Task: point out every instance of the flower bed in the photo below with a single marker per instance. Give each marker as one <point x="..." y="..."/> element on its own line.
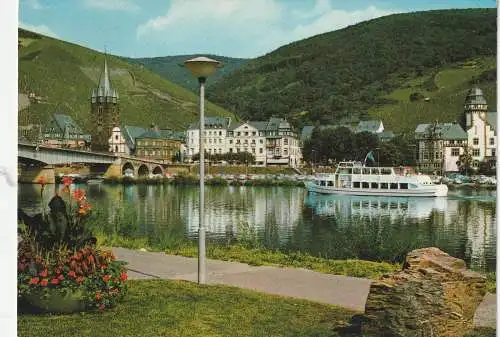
<point x="59" y="267"/>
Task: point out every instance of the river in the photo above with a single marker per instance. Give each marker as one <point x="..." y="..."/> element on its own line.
<point x="374" y="228"/>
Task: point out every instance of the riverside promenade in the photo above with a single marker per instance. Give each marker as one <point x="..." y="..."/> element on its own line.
<point x="344" y="291"/>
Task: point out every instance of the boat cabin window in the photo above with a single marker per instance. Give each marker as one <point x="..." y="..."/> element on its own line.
<point x="355" y="184"/>
<point x="365" y="185"/>
<point x="330" y="183"/>
<point x="349" y="170"/>
<point x="384" y="186"/>
<point x="375" y="170"/>
<point x="323" y="183"/>
<point x="394" y="186"/>
<point x="356" y="170"/>
<point x="412" y="186"/>
<point x="366" y="170"/>
<point x="385" y="170"/>
<point x="403" y="186"/>
<point x="374" y="185"/>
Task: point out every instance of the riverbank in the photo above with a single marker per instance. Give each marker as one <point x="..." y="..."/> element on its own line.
<point x="177" y="308"/>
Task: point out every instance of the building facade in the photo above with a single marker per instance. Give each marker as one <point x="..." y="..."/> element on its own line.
<point x="440" y="146"/>
<point x="480" y="126"/>
<point x="62" y="131"/>
<point x="272" y="142"/>
<point x="104" y="111"/>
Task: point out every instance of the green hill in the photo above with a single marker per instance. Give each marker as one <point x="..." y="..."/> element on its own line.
<point x="371" y="69"/>
<point x="169" y="67"/>
<point x="61" y="76"/>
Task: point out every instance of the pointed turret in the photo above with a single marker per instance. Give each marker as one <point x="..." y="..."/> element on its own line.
<point x="475" y="103"/>
<point x="104" y="92"/>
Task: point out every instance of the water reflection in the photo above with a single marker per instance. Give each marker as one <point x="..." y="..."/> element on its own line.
<point x="377" y="228"/>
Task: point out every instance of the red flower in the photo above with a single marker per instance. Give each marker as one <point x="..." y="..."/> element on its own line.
<point x="43" y="273"/>
<point x="80" y="279"/>
<point x="123" y="276"/>
<point x="106" y="278"/>
<point x="104" y="266"/>
<point x="98" y="296"/>
<point x="42" y="180"/>
<point x="34" y="280"/>
<point x="67" y="181"/>
<point x="21" y="266"/>
<point x="54" y="281"/>
<point x="78" y="194"/>
<point x="44" y="282"/>
<point x="60" y="277"/>
<point x="101" y="307"/>
<point x="72" y="273"/>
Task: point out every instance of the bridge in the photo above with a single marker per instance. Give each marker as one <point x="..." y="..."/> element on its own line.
<point x="41" y="160"/>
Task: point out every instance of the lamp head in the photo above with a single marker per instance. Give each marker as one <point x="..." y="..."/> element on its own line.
<point x="202" y="67"/>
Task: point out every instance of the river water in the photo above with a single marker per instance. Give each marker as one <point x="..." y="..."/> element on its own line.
<point x="374" y="228"/>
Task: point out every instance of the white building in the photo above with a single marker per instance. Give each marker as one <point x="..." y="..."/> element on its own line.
<point x="439" y="147"/>
<point x="480" y="126"/>
<point x="272" y="142"/>
<point x="215" y="136"/>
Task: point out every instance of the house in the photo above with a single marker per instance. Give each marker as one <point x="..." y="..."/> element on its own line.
<point x="152" y="143"/>
<point x="272" y="142"/>
<point x="63" y="131"/>
<point x="439" y="147"/>
<point x="480" y="125"/>
<point x="373" y="126"/>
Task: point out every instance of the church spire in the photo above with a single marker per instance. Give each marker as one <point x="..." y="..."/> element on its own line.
<point x="104" y="83"/>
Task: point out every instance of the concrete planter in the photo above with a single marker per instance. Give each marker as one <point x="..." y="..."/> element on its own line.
<point x="56" y="301"/>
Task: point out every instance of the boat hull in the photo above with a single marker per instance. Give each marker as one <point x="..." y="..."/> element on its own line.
<point x="424" y="191"/>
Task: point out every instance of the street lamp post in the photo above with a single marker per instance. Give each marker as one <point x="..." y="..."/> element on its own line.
<point x="201" y="68"/>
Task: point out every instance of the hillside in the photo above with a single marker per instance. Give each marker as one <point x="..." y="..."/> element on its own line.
<point x="370" y="69"/>
<point x="169" y="67"/>
<point x="61" y="75"/>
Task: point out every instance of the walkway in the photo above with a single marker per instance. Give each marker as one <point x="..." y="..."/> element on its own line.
<point x="348" y="292"/>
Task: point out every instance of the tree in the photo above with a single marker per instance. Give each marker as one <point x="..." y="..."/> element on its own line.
<point x="464" y="162"/>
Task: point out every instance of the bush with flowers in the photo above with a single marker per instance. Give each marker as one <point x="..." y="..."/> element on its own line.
<point x="59" y="266"/>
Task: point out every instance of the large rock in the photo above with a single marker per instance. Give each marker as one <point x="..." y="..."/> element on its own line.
<point x="434" y="295"/>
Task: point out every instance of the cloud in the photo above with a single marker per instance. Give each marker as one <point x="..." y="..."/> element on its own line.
<point x="33" y="4"/>
<point x="113" y="5"/>
<point x="242" y="27"/>
<point x="41" y="29"/>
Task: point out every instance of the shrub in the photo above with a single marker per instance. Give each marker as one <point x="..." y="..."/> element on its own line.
<point x="57" y="257"/>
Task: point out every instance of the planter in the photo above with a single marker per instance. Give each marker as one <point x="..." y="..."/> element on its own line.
<point x="56" y="301"/>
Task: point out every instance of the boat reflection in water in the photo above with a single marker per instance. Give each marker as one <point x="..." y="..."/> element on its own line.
<point x="375" y="206"/>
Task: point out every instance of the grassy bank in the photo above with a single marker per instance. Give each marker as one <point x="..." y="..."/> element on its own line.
<point x="173" y="308"/>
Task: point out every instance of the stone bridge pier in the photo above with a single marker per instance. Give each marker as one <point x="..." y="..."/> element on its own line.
<point x="139" y="168"/>
<point x="33" y="174"/>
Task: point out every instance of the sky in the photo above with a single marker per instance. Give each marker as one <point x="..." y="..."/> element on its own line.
<point x="235" y="28"/>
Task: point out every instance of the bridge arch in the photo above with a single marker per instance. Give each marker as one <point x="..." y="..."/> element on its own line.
<point x="143" y="170"/>
<point x="127" y="167"/>
<point x="158" y="170"/>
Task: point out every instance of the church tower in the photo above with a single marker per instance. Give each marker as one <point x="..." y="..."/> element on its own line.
<point x="475" y="106"/>
<point x="105" y="111"/>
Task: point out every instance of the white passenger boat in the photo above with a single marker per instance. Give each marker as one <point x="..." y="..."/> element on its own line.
<point x="353" y="178"/>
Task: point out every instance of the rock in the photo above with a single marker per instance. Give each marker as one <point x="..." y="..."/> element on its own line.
<point x="434" y="295"/>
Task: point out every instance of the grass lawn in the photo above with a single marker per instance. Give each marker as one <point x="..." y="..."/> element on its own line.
<point x="177" y="308"/>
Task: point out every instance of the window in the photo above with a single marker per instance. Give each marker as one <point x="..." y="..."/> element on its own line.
<point x="254" y="133"/>
<point x="285" y="141"/>
<point x="262" y="141"/>
<point x="365" y="184"/>
<point x="246" y="133"/>
<point x="260" y="150"/>
<point x="238" y="133"/>
<point x="492" y="141"/>
<point x="374" y="185"/>
<point x="394" y="186"/>
<point x="403" y="186"/>
<point x="475" y="163"/>
<point x="253" y="150"/>
<point x="475" y="141"/>
<point x="285" y="152"/>
<point x="476" y="152"/>
<point x="230" y="150"/>
<point x="455" y="152"/>
<point x="355" y="184"/>
<point x="116" y="148"/>
<point x="330" y="183"/>
<point x="230" y="141"/>
<point x="220" y="133"/>
<point x="116" y="137"/>
<point x="493" y="152"/>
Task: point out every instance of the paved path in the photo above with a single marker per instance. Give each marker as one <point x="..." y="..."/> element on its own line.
<point x="348" y="292"/>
